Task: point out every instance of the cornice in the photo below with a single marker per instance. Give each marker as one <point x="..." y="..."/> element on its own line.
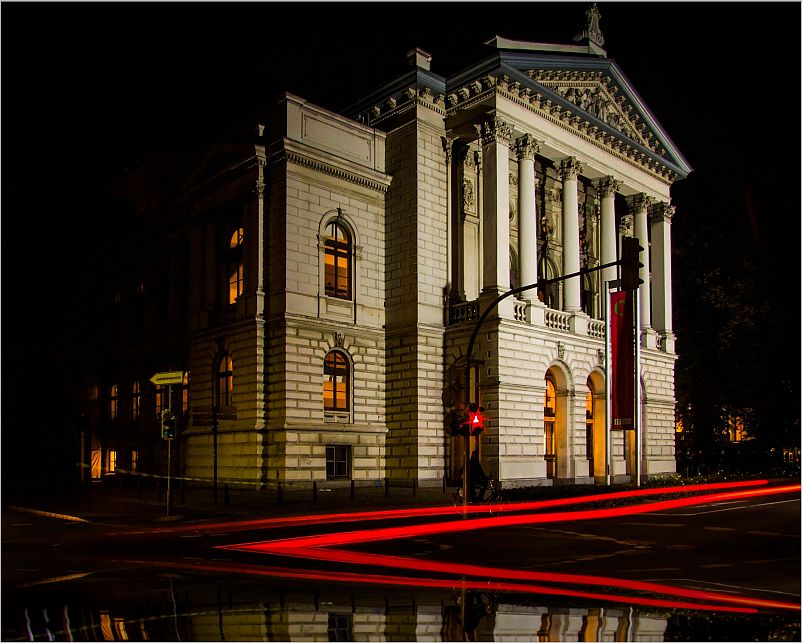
<point x="304" y="156"/>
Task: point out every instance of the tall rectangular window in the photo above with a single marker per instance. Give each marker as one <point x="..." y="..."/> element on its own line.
<point x="225" y="382"/>
<point x="136" y="400"/>
<point x="338" y="461"/>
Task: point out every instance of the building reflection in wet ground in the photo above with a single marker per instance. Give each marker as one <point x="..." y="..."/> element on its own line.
<point x="183" y="609"/>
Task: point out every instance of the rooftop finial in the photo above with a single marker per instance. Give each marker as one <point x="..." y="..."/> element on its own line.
<point x="592" y="30"/>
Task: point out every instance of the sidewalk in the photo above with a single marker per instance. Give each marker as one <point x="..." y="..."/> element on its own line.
<point x="110" y="502"/>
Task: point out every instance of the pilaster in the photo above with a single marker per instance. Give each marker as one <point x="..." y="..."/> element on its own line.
<point x="640" y="204"/>
<point x="660" y="215"/>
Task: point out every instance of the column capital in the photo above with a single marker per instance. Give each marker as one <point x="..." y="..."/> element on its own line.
<point x="570" y="169"/>
<point x="608" y="186"/>
<point x="640" y="202"/>
<point x="661" y="211"/>
<point x="448" y="147"/>
<point x="494" y="131"/>
<point x="526" y="147"/>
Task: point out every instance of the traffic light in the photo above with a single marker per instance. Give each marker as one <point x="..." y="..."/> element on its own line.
<point x="476" y="421"/>
<point x="630" y="263"/>
<point x="168" y="424"/>
<point x="458" y="423"/>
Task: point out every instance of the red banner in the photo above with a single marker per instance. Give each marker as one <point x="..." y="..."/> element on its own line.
<point x="622" y="358"/>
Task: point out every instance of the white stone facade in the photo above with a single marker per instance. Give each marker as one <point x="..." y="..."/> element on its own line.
<point x="529" y="165"/>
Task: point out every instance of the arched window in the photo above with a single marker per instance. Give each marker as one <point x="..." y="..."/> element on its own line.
<point x="587" y="296"/>
<point x="548" y="294"/>
<point x="225" y="382"/>
<point x="136" y="400"/>
<point x="114" y="402"/>
<point x="338" y="261"/>
<point x="514" y="270"/>
<point x="336" y="384"/>
<point x="235" y="266"/>
<point x="549" y="418"/>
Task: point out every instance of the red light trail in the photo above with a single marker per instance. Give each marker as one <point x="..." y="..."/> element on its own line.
<point x="324" y="547"/>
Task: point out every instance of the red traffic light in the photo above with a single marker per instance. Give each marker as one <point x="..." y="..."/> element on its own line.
<point x="476" y="421"/>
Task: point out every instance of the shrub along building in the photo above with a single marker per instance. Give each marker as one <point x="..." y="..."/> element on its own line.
<point x="319" y="283"/>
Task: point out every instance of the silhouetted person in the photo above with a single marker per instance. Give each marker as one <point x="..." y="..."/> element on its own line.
<point x="478" y="478"/>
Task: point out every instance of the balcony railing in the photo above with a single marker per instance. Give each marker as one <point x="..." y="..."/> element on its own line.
<point x="558" y="320"/>
<point x="596" y="328"/>
<point x="463" y="312"/>
<point x="519" y="310"/>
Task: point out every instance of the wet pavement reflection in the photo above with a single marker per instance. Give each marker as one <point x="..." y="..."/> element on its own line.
<point x="176" y="607"/>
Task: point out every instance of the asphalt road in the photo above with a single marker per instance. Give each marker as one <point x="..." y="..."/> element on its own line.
<point x="747" y="548"/>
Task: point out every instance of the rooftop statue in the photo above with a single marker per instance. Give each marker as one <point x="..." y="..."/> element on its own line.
<point x="592" y="30"/>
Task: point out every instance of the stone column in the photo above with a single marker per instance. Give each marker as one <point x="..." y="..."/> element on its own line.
<point x="661" y="215"/>
<point x="569" y="171"/>
<point x="495" y="139"/>
<point x="526" y="147"/>
<point x="606" y="189"/>
<point x="640" y="208"/>
<point x="259" y="246"/>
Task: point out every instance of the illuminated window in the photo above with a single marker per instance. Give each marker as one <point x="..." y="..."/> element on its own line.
<point x="225" y="382"/>
<point x="336" y="383"/>
<point x="136" y="400"/>
<point x="111" y="461"/>
<point x="337" y="260"/>
<point x="114" y="402"/>
<point x="341" y="627"/>
<point x="235" y="266"/>
<point x="549" y="415"/>
<point x="134" y="460"/>
<point x="338" y="461"/>
<point x="161" y="399"/>
<point x="185" y="394"/>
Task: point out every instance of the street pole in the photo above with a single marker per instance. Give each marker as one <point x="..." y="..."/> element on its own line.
<point x="608" y="394"/>
<point x="169" y="455"/>
<point x="637" y="410"/>
<point x="214" y="452"/>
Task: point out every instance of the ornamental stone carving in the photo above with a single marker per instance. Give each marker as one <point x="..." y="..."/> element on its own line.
<point x="570" y="169"/>
<point x="495" y="131"/>
<point x="626" y="225"/>
<point x="661" y="211"/>
<point x="561" y="350"/>
<point x="592" y="30"/>
<point x="468" y="201"/>
<point x="608" y="186"/>
<point x="259" y="188"/>
<point x="639" y="202"/>
<point x="339" y="339"/>
<point x="554" y="195"/>
<point x="526" y="147"/>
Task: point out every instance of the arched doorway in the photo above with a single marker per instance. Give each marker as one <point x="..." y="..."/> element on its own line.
<point x="595" y="439"/>
<point x="550" y="427"/>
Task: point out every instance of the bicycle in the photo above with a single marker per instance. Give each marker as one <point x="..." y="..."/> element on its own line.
<point x="491" y="497"/>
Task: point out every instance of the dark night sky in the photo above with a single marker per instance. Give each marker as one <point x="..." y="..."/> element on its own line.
<point x="89" y="88"/>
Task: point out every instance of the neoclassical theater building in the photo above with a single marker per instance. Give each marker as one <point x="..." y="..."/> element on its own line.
<point x="318" y="283"/>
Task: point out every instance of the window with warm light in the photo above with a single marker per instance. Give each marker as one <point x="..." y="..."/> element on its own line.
<point x="225" y="382"/>
<point x="161" y="399"/>
<point x="114" y="402"/>
<point x="336" y="384"/>
<point x="134" y="461"/>
<point x="111" y="461"/>
<point x="136" y="400"/>
<point x="337" y="258"/>
<point x="185" y="394"/>
<point x="235" y="266"/>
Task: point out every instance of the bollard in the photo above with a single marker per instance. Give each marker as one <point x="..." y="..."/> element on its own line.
<point x="386" y="487"/>
<point x="226" y="499"/>
<point x="352" y="490"/>
<point x="314" y="491"/>
<point x="414" y="487"/>
<point x="278" y="494"/>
